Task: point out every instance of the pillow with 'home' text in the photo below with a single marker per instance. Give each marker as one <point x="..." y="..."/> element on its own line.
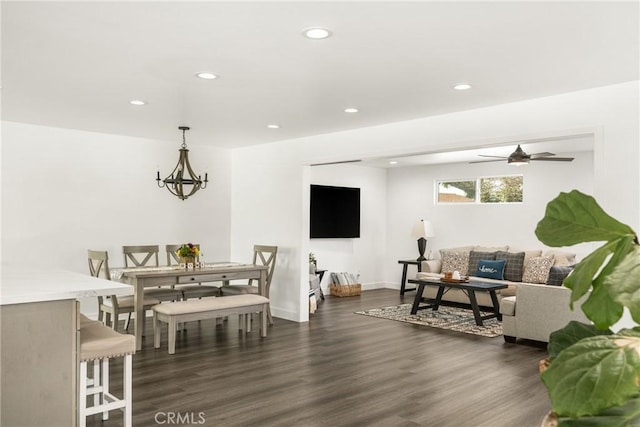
<point x="491" y="269"/>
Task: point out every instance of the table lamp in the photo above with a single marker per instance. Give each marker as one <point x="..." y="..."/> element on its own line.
<point x="421" y="230"/>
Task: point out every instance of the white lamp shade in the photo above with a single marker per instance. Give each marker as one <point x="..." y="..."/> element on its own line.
<point x="423" y="228"/>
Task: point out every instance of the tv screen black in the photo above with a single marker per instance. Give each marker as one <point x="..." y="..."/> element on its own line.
<point x="335" y="212"/>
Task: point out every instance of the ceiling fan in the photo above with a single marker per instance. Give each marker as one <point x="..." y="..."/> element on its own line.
<point x="519" y="157"/>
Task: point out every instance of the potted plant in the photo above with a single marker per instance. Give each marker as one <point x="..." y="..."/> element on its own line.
<point x="188" y="254"/>
<point x="312" y="259"/>
<point x="593" y="378"/>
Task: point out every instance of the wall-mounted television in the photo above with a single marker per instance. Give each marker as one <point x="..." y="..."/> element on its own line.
<point x="335" y="212"/>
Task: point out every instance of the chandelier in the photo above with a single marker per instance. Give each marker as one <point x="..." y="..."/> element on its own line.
<point x="183" y="182"/>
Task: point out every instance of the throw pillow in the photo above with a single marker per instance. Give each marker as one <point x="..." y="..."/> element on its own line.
<point x="475" y="256"/>
<point x="490" y="248"/>
<point x="515" y="265"/>
<point x="557" y="274"/>
<point x="455" y="261"/>
<point x="491" y="269"/>
<point x="537" y="270"/>
<point x="562" y="258"/>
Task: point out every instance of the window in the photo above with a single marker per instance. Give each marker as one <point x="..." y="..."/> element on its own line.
<point x="495" y="189"/>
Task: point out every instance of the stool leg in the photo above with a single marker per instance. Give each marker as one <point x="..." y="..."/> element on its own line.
<point x="127" y="382"/>
<point x="105" y="385"/>
<point x="96" y="381"/>
<point x="82" y="396"/>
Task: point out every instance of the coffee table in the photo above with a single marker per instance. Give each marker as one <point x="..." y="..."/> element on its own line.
<point x="469" y="288"/>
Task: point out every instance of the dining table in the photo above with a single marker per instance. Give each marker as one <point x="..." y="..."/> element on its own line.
<point x="150" y="277"/>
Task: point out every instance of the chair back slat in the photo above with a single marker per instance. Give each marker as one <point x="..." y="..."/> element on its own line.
<point x="99" y="264"/>
<point x="99" y="267"/>
<point x="265" y="255"/>
<point x="140" y="256"/>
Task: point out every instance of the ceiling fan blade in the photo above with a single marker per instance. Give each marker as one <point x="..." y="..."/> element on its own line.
<point x="497" y="157"/>
<point x="545" y="154"/>
<point x="554" y="159"/>
<point x="502" y="159"/>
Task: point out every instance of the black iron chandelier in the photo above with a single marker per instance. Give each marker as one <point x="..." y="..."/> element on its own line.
<point x="183" y="182"/>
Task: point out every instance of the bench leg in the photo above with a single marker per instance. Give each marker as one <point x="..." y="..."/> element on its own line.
<point x="156" y="330"/>
<point x="172" y="335"/>
<point x="248" y="318"/>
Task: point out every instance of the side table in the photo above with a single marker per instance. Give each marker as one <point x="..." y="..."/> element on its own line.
<point x="405" y="264"/>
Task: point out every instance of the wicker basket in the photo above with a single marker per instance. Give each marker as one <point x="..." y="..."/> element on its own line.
<point x="345" y="290"/>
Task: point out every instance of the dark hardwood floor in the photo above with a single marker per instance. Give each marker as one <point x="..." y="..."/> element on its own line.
<point x="340" y="369"/>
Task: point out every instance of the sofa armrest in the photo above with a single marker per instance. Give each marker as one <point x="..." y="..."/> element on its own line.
<point x="542" y="309"/>
<point x="431" y="266"/>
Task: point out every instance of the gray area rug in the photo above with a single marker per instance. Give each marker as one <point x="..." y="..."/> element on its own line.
<point x="452" y="318"/>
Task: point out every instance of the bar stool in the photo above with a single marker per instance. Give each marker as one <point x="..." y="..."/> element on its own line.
<point x="98" y="344"/>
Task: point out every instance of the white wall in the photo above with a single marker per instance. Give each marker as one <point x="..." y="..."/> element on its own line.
<point x="65" y="191"/>
<point x="411" y="197"/>
<point x="365" y="255"/>
<point x="611" y="112"/>
<point x="57" y="184"/>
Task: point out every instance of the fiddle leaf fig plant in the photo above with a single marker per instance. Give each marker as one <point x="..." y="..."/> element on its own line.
<point x="594" y="375"/>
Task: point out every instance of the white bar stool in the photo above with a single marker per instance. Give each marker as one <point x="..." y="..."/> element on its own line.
<point x="98" y="344"/>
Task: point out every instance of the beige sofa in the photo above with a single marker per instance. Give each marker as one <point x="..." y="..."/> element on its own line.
<point x="540" y="309"/>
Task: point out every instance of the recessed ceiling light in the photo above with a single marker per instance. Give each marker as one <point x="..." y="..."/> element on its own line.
<point x="393" y="162"/>
<point x="317" y="33"/>
<point x="137" y="102"/>
<point x="274" y="126"/>
<point x="462" y="86"/>
<point x="351" y="110"/>
<point x="207" y="75"/>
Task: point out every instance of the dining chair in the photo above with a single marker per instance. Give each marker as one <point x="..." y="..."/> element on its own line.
<point x="192" y="290"/>
<point x="262" y="255"/>
<point x="147" y="256"/>
<point x="110" y="307"/>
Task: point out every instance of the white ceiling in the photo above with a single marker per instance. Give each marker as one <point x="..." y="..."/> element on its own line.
<point x="77" y="64"/>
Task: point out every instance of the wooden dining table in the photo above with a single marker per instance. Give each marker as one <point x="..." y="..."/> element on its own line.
<point x="151" y="277"/>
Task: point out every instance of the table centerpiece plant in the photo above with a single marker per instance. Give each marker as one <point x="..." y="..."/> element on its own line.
<point x="188" y="253"/>
<point x="593" y="375"/>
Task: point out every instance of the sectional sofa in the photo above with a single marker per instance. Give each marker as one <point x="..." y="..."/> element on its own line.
<point x="535" y="302"/>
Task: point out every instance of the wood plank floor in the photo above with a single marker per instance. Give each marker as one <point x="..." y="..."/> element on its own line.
<point x="340" y="369"/>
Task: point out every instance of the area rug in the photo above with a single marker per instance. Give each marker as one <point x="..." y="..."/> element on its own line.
<point x="451" y="318"/>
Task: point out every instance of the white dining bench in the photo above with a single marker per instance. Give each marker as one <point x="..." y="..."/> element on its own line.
<point x="177" y="312"/>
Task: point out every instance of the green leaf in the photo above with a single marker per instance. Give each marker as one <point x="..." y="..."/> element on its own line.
<point x="594" y="374"/>
<point x="575" y="217"/>
<point x="624" y="282"/>
<point x="582" y="275"/>
<point x="601" y="307"/>
<point x="571" y="334"/>
<point x="620" y="416"/>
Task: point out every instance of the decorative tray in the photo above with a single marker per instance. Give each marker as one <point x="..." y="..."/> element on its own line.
<point x="464" y="280"/>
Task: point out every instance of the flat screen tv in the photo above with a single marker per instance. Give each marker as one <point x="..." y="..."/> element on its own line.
<point x="335" y="212"/>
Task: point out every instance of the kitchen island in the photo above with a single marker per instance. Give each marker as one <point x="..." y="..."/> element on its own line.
<point x="39" y="343"/>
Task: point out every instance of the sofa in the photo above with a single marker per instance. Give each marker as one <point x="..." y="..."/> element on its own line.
<point x="532" y="306"/>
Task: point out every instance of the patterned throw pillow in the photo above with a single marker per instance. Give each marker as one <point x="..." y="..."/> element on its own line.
<point x="491" y="269"/>
<point x="537" y="270"/>
<point x="557" y="274"/>
<point x="475" y="256"/>
<point x="515" y="265"/>
<point x="455" y="261"/>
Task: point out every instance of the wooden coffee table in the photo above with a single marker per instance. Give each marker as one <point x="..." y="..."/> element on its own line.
<point x="469" y="288"/>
